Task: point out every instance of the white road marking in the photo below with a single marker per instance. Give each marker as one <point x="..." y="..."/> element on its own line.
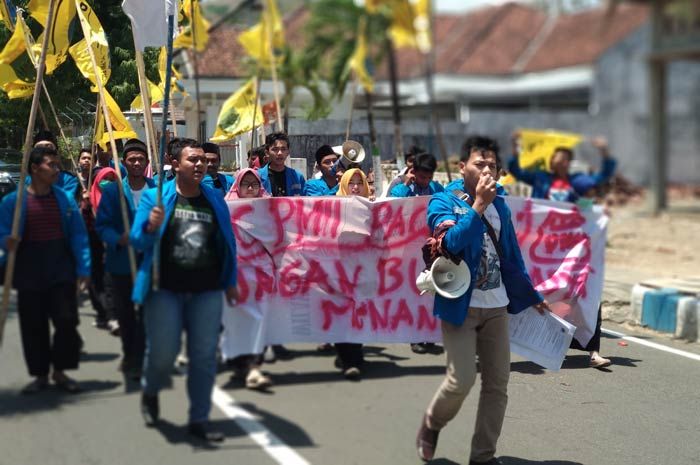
<point x="653" y="345"/>
<point x="266" y="439"/>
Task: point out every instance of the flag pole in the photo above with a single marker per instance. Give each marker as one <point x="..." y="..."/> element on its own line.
<point x="273" y="68"/>
<point x="113" y="145"/>
<point x="146" y="101"/>
<point x="195" y="58"/>
<point x="353" y="94"/>
<point x="93" y="152"/>
<point x="12" y="253"/>
<point x="255" y="110"/>
<point x="161" y="153"/>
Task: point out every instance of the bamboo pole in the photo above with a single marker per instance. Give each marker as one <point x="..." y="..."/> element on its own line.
<point x="161" y="150"/>
<point x="273" y="70"/>
<point x="255" y="110"/>
<point x="353" y="94"/>
<point x="14" y="234"/>
<point x="195" y="58"/>
<point x="146" y="100"/>
<point x="113" y="145"/>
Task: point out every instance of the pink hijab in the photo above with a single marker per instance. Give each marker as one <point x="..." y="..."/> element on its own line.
<point x="96" y="190"/>
<point x="234" y="193"/>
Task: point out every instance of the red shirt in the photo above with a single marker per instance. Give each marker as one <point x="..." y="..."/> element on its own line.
<point x="43" y="219"/>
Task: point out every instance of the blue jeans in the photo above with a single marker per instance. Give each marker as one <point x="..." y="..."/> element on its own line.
<point x="166" y="314"/>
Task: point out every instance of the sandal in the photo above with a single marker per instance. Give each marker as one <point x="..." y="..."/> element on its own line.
<point x="600" y="362"/>
<point x="38" y="385"/>
<point x="67" y="384"/>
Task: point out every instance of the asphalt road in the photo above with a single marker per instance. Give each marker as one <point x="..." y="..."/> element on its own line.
<point x="645" y="409"/>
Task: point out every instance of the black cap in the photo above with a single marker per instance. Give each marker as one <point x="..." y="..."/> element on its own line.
<point x="134" y="145"/>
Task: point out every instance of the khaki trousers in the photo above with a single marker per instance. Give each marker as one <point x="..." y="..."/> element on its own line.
<point x="483" y="333"/>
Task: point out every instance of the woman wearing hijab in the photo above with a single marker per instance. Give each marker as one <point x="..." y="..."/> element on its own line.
<point x="248" y="186"/>
<point x="350" y="358"/>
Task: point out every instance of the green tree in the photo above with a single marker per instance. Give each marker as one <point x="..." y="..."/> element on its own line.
<point x="66" y="85"/>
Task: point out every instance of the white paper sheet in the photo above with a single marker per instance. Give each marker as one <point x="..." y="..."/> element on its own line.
<point x="542" y="339"/>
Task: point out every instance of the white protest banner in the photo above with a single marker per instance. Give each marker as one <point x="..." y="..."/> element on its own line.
<point x="564" y="252"/>
<point x="343" y="269"/>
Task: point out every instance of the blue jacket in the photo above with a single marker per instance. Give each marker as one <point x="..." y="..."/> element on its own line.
<point x="226" y="183"/>
<point x="71" y="223"/>
<point x="465" y="239"/>
<point x="109" y="225"/>
<point x="145" y="242"/>
<point x="66" y="181"/>
<point x="295" y="180"/>
<point x="541" y="181"/>
<point x="402" y="190"/>
<point x="319" y="188"/>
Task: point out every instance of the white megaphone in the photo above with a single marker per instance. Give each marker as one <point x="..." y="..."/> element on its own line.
<point x="445" y="278"/>
<point x="348" y="153"/>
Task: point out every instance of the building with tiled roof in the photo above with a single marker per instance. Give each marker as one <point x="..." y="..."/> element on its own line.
<point x="497" y="68"/>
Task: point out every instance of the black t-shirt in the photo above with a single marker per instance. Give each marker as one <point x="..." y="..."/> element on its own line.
<point x="278" y="181"/>
<point x="192" y="248"/>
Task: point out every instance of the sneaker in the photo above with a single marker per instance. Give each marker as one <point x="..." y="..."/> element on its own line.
<point x="426" y="441"/>
<point x="256" y="380"/>
<point x="113" y="328"/>
<point x="100" y="323"/>
<point x="493" y="461"/>
<point x="352" y="373"/>
<point x="419" y="348"/>
<point x="202" y="431"/>
<point x="150" y="410"/>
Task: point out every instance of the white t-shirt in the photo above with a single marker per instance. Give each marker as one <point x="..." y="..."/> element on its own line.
<point x="489" y="291"/>
<point x="136" y="195"/>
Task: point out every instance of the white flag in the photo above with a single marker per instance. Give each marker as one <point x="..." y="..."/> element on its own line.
<point x="149" y="21"/>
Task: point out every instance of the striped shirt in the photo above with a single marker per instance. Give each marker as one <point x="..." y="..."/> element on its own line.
<point x="43" y="221"/>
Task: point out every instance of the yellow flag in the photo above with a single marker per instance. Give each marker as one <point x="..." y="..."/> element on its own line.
<point x="95" y="36"/>
<point x="201" y="27"/>
<point x="121" y="127"/>
<point x="537" y="146"/>
<point x="154" y="92"/>
<point x="236" y="116"/>
<point x="256" y="40"/>
<point x="13" y="86"/>
<point x="410" y="24"/>
<point x="28" y="40"/>
<point x="59" y="42"/>
<point x="358" y="60"/>
<point x="175" y="85"/>
<point x="15" y="46"/>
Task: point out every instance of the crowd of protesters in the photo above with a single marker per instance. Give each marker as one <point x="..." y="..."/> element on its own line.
<point x="102" y="228"/>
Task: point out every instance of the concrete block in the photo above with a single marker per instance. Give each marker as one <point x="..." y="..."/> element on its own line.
<point x="657" y="311"/>
<point x="636" y="301"/>
<point x="687" y="318"/>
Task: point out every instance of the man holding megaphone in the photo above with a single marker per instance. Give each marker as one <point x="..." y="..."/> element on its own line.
<point x="474" y="224"/>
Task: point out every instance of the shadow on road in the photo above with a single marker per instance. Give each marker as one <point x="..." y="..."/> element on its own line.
<point x="582" y="361"/>
<point x="98" y="357"/>
<point x="518" y="461"/>
<point x="527" y="368"/>
<point x="442" y="461"/>
<point x="13" y="403"/>
<point x="292" y="434"/>
<point x="177" y="434"/>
